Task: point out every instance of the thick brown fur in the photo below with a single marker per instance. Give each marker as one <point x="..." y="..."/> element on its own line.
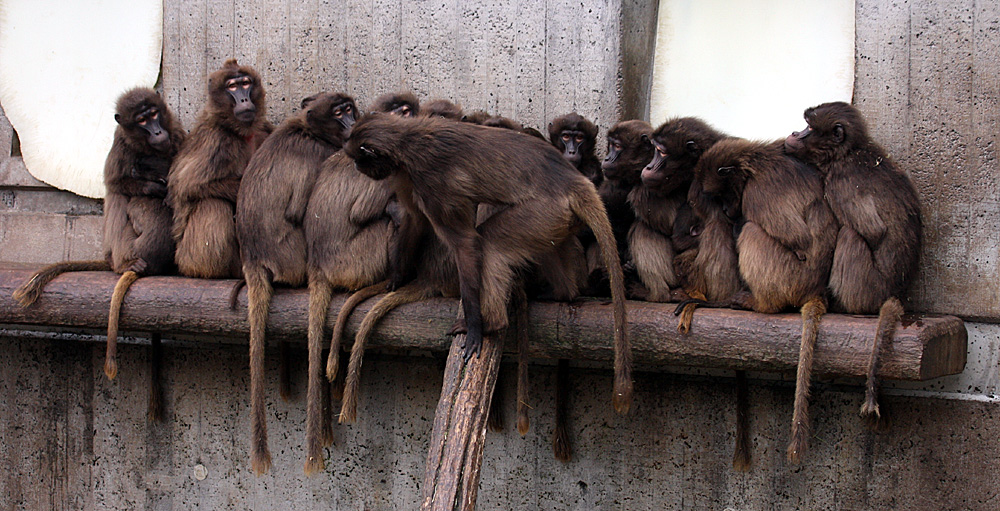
<point x="576" y="138"/>
<point x="442" y="108"/>
<point x="205" y="177"/>
<point x="349" y="227"/>
<point x="674" y="150"/>
<point x="451" y="167"/>
<point x="785" y="247"/>
<point x="404" y="104"/>
<point x="137" y="220"/>
<point x="270" y="209"/>
<point x="878" y="210"/>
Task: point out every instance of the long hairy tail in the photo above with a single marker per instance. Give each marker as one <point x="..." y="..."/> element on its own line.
<point x="412" y="292"/>
<point x="154" y="411"/>
<point x="521" y="324"/>
<point x="741" y="454"/>
<point x="687" y="313"/>
<point x="333" y="360"/>
<point x="117" y="298"/>
<point x="812" y="312"/>
<point x="234" y="293"/>
<point x="29" y="292"/>
<point x="320" y="293"/>
<point x="888" y="317"/>
<point x="587" y="205"/>
<point x="259" y="292"/>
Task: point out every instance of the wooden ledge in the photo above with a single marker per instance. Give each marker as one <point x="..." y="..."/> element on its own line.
<point x="925" y="346"/>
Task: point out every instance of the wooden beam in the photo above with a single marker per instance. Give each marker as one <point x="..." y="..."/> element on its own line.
<point x="925" y="346"/>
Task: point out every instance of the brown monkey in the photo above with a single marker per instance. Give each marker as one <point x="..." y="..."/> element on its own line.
<point x="441" y="164"/>
<point x="874" y="201"/>
<point x="205" y="176"/>
<point x="137" y="220"/>
<point x="404" y="104"/>
<point x="476" y="117"/>
<point x="785" y="247"/>
<point x="576" y="137"/>
<point x="442" y="108"/>
<point x="675" y="148"/>
<point x="349" y="224"/>
<point x="270" y="209"/>
<point x="707" y="266"/>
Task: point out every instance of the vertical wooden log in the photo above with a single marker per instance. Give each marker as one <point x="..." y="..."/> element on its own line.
<point x="451" y="476"/>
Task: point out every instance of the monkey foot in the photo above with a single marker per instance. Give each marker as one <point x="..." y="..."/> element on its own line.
<point x="138" y="266"/>
<point x="472" y="346"/>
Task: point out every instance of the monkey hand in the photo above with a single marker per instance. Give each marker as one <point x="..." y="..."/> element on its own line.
<point x="473" y="345"/>
<point x="154" y="189"/>
<point x="138" y="266"/>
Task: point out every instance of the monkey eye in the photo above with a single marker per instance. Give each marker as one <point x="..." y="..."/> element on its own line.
<point x="566" y="137"/>
<point x="579" y="138"/>
<point x="661" y="152"/>
<point x="338" y="112"/>
<point x="142" y="121"/>
<point x="618" y="147"/>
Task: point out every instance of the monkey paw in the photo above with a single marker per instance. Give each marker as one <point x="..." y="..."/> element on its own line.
<point x="138" y="266"/>
<point x="472" y="346"/>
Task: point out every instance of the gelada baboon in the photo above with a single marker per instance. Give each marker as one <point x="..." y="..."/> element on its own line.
<point x="676" y="147"/>
<point x="270" y="209"/>
<point x="441" y="108"/>
<point x="403" y="104"/>
<point x="711" y="270"/>
<point x="785" y="247"/>
<point x="137" y="220"/>
<point x="205" y="176"/>
<point x="349" y="225"/>
<point x="874" y="201"/>
<point x="576" y="137"/>
<point x="440" y="163"/>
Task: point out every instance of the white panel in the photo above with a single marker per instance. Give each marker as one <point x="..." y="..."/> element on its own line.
<point x="62" y="67"/>
<point x="750" y="68"/>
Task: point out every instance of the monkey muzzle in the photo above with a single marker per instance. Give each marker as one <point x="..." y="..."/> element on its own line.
<point x="158" y="137"/>
<point x="244" y="110"/>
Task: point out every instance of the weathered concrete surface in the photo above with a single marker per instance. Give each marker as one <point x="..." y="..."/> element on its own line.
<point x="73" y="440"/>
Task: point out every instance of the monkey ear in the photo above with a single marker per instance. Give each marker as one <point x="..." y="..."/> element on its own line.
<point x="838" y="133"/>
<point x="118" y="118"/>
<point x="725" y="171"/>
<point x="645" y="138"/>
<point x="692" y="148"/>
<point x="306" y="101"/>
<point x="550" y="125"/>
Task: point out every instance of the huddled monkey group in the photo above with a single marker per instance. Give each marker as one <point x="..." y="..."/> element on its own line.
<point x="414" y="200"/>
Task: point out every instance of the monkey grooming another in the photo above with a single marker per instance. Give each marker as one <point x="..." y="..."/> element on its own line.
<point x="137" y="220"/>
<point x="876" y="204"/>
<point x="676" y="147"/>
<point x="450" y="168"/>
<point x="205" y="176"/>
<point x="785" y="247"/>
<point x="270" y="209"/>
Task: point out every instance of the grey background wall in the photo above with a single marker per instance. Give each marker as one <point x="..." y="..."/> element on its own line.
<point x="927" y="80"/>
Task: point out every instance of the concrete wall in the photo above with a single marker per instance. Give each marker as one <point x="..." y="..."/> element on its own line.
<point x="926" y="79"/>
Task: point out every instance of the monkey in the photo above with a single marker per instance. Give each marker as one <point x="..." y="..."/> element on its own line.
<point x="675" y="147"/>
<point x="706" y="265"/>
<point x="576" y="137"/>
<point x="784" y="247"/>
<point x="137" y="220"/>
<point x="449" y="168"/>
<point x="442" y="108"/>
<point x="876" y="205"/>
<point x="404" y="104"/>
<point x="476" y="117"/>
<point x="205" y="177"/>
<point x="270" y="210"/>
